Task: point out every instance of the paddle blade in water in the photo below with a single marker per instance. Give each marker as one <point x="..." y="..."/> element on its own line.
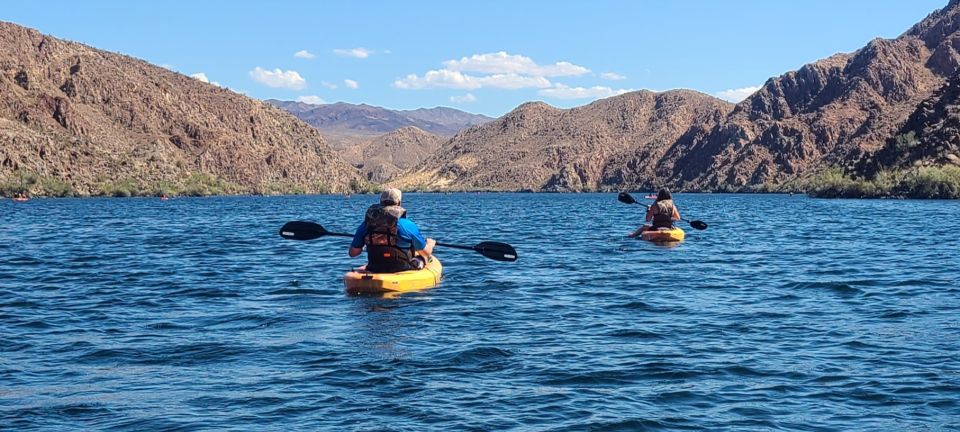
<point x="700" y="225"/>
<point x="626" y="198"/>
<point x="302" y="230"/>
<point x="497" y="251"/>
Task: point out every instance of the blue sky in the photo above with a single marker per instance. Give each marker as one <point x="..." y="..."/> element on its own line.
<point x="484" y="56"/>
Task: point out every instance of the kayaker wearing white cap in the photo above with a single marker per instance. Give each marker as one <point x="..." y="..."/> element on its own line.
<point x="393" y="242"/>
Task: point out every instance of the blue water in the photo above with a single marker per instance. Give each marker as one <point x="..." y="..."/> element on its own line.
<point x="193" y="314"/>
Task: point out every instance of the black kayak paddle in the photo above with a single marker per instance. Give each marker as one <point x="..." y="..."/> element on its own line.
<point x="627" y="199"/>
<point x="304" y="230"/>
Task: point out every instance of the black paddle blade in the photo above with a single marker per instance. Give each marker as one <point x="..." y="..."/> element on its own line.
<point x="626" y="198"/>
<point x="302" y="230"/>
<point x="497" y="251"/>
<point x="700" y="225"/>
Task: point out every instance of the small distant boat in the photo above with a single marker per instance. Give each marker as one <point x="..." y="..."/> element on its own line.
<point x="164" y="197"/>
<point x="20" y="198"/>
<point x="650" y="197"/>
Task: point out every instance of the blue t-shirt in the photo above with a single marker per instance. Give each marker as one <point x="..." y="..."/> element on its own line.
<point x="407" y="231"/>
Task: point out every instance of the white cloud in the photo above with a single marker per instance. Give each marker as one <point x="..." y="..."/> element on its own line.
<point x="444" y="78"/>
<point x="202" y="77"/>
<point x="278" y="78"/>
<point x="737" y="95"/>
<point x="467" y="98"/>
<point x="304" y="54"/>
<point x="503" y="63"/>
<point x="612" y="76"/>
<point x="168" y="66"/>
<point x="328" y="85"/>
<point x="311" y="100"/>
<point x="492" y="70"/>
<point x="351" y="83"/>
<point x="561" y="91"/>
<point x="361" y="53"/>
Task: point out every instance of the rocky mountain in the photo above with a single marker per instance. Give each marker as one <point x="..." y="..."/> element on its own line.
<point x="929" y="138"/>
<point x="388" y="154"/>
<point x="87" y="121"/>
<point x="627" y="138"/>
<point x="827" y="113"/>
<point x="345" y="119"/>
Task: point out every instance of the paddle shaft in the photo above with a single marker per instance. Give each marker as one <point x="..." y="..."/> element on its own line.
<point x="456" y="246"/>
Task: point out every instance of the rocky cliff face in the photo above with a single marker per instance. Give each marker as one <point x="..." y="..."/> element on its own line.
<point x="930" y="137"/>
<point x="388" y="154"/>
<point x="621" y="140"/>
<point x="88" y="117"/>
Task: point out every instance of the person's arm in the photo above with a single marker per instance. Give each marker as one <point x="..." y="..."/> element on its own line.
<point x="356" y="246"/>
<point x="676" y="213"/>
<point x="650" y="213"/>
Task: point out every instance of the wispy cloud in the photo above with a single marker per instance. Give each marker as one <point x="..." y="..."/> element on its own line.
<point x="351" y="83"/>
<point x="304" y="54"/>
<point x="278" y="78"/>
<point x="737" y="95"/>
<point x="561" y="91"/>
<point x="467" y="98"/>
<point x="360" y="53"/>
<point x="202" y="77"/>
<point x="311" y="100"/>
<point x="612" y="76"/>
<point x="328" y="85"/>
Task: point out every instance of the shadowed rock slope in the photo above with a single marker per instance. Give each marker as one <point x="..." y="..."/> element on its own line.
<point x="388" y="154"/>
<point x="930" y="137"/>
<point x="87" y="119"/>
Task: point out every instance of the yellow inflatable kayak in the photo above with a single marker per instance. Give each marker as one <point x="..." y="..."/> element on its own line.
<point x="359" y="281"/>
<point x="663" y="235"/>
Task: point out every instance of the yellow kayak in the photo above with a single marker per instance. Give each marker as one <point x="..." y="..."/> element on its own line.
<point x="359" y="281"/>
<point x="663" y="235"/>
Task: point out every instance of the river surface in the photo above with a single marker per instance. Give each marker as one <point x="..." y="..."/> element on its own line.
<point x="193" y="314"/>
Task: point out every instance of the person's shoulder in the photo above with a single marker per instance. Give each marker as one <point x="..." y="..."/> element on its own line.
<point x="406" y="223"/>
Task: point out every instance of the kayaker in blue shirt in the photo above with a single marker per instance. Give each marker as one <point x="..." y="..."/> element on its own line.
<point x="393" y="242"/>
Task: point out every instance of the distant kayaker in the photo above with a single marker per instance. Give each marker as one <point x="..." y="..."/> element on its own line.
<point x="661" y="214"/>
<point x="393" y="242"/>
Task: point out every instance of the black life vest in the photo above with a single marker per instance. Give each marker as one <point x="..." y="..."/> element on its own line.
<point x="663" y="216"/>
<point x="383" y="254"/>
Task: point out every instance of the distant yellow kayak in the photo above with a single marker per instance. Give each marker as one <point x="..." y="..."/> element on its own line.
<point x="663" y="235"/>
<point x="360" y="282"/>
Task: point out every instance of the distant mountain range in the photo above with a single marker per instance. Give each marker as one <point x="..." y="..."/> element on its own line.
<point x="344" y="119"/>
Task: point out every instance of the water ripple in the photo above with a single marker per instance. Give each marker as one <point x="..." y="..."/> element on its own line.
<point x="192" y="314"/>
